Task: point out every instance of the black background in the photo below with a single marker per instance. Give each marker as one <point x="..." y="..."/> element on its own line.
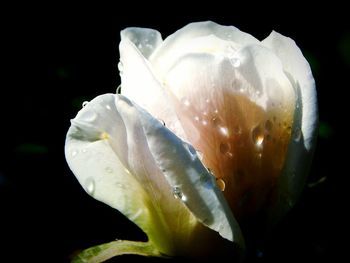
<point x="58" y="56"/>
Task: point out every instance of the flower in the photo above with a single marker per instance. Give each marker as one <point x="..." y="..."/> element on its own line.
<point x="211" y="127"/>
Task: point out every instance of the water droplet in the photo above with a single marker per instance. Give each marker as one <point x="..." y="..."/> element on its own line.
<point x="161" y="121"/>
<point x="207" y="100"/>
<point x="216" y="121"/>
<point x="258" y="136"/>
<point x="185" y="102"/>
<point x="119" y="89"/>
<point x="109" y="169"/>
<point x="108" y="107"/>
<point x="297" y="135"/>
<point x="120" y="67"/>
<point x="268" y="125"/>
<point x="204" y="122"/>
<point x="89" y="116"/>
<point x="74" y="153"/>
<point x="178" y="194"/>
<point x="90" y="186"/>
<point x="196" y="118"/>
<point x="259" y="155"/>
<point x="120" y="185"/>
<point x="224" y="148"/>
<point x="84" y="103"/>
<point x="84" y="150"/>
<point x="224" y="131"/>
<point x="235" y="62"/>
<point x="221" y="184"/>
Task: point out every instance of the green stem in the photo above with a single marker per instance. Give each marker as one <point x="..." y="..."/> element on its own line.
<point x="106" y="251"/>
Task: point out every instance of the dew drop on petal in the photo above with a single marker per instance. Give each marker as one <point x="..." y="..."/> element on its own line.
<point x="89" y="116"/>
<point x="224" y="131"/>
<point x="108" y="107"/>
<point x="120" y="67"/>
<point x="90" y="185"/>
<point x="221" y="184"/>
<point x="235" y="62"/>
<point x="109" y="169"/>
<point x="178" y="193"/>
<point x="297" y="135"/>
<point x="74" y="153"/>
<point x="258" y="136"/>
<point x="84" y="103"/>
<point x="119" y="89"/>
<point x="84" y="150"/>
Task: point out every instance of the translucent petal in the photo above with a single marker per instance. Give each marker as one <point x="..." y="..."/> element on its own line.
<point x="304" y="131"/>
<point x="189" y="180"/>
<point x="238" y="115"/>
<point x="97" y="152"/>
<point x="140" y="85"/>
<point x="194" y="35"/>
<point x="109" y="151"/>
<point x="145" y="39"/>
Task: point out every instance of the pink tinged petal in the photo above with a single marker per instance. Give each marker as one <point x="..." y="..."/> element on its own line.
<point x="140" y="85"/>
<point x="238" y="115"/>
<point x="304" y="131"/>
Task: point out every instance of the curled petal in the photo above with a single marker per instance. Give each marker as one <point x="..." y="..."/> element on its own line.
<point x="145" y="39"/>
<point x="140" y="85"/>
<point x="192" y="36"/>
<point x="112" y="149"/>
<point x="305" y="123"/>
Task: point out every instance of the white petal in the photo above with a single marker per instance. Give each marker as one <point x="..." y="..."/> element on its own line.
<point x="97" y="152"/>
<point x="108" y="149"/>
<point x="145" y="39"/>
<point x="182" y="41"/>
<point x="304" y="130"/>
<point x="189" y="179"/>
<point x="298" y="69"/>
<point x="140" y="85"/>
<point x="254" y="71"/>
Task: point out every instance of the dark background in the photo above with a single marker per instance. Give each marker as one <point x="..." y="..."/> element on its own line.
<point x="58" y="56"/>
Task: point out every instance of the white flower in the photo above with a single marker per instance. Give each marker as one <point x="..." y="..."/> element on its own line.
<point x="240" y="125"/>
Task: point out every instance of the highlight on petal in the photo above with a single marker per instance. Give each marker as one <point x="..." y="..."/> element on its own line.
<point x="181" y="42"/>
<point x="112" y="150"/>
<point x="304" y="131"/>
<point x="140" y="85"/>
